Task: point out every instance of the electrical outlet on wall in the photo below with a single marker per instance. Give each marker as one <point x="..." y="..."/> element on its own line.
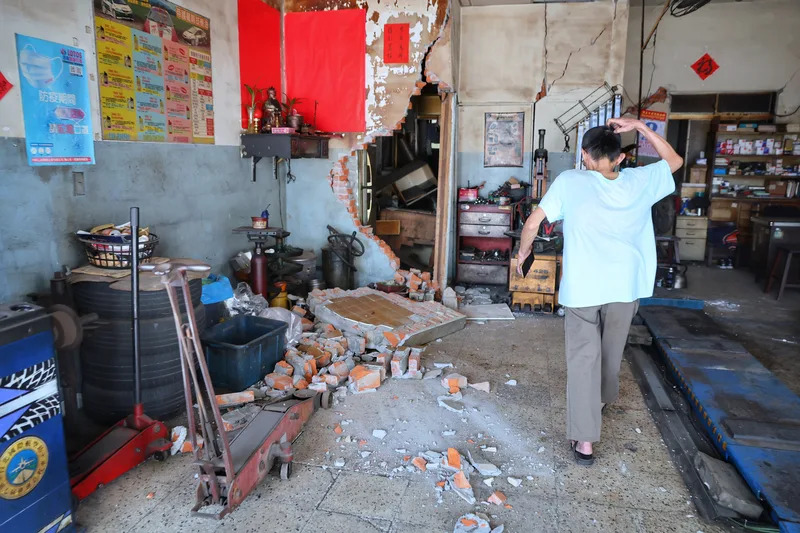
<point x="78" y="184"/>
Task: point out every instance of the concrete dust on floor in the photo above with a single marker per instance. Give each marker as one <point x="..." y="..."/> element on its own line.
<point x="520" y="428"/>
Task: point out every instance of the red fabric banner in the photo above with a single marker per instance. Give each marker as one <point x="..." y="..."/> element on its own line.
<point x="325" y="61"/>
<point x="259" y="48"/>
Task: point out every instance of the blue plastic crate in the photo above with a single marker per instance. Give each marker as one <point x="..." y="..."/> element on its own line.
<point x="242" y="350"/>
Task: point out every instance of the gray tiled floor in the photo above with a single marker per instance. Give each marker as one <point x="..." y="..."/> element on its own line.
<point x="632" y="487"/>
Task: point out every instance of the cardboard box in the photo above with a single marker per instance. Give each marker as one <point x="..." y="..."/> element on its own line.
<point x="697" y="174"/>
<point x="777" y="188"/>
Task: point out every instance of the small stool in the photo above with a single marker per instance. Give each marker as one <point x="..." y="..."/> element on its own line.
<point x="786" y="255"/>
<point x="667" y="250"/>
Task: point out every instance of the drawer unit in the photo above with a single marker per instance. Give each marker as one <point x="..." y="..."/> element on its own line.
<point x="690" y="233"/>
<point x="692" y="249"/>
<point x="490" y="274"/>
<point x="473" y="230"/>
<point x="684" y="222"/>
<point x="484" y="219"/>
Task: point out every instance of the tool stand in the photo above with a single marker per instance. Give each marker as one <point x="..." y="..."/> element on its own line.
<point x="230" y="463"/>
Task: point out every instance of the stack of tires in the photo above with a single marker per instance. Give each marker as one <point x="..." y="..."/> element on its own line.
<point x="107" y="351"/>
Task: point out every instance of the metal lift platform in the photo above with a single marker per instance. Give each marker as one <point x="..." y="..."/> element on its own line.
<point x="752" y="418"/>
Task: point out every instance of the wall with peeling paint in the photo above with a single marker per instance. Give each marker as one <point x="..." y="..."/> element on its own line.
<point x="310" y="201"/>
<point x="756" y="45"/>
<point x="508" y="54"/>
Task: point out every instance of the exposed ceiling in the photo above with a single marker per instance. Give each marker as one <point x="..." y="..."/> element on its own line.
<point x="517" y="2"/>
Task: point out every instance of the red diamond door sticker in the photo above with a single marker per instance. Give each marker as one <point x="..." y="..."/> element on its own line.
<point x="705" y="66"/>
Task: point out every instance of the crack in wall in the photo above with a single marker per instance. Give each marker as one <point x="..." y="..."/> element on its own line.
<point x="566" y="64"/>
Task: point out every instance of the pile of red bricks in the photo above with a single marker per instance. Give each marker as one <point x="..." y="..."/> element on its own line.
<point x="420" y="285"/>
<point x="328" y="360"/>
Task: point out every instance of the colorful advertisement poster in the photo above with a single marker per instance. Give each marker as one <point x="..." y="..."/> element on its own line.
<point x="154" y="69"/>
<point x="656" y="121"/>
<point x="202" y="97"/>
<point x="55" y="103"/>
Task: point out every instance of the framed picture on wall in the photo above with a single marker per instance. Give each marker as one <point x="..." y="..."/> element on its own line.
<point x="503" y="142"/>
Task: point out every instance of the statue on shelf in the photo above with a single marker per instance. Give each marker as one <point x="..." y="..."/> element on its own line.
<point x="272" y="110"/>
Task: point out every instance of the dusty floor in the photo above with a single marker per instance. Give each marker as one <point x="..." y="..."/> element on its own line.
<point x="632" y="487"/>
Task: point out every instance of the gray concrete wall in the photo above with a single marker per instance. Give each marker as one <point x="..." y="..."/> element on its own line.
<point x="190" y="195"/>
<point x="311" y="206"/>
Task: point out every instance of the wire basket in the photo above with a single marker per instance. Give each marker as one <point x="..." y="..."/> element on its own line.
<point x="114" y="251"/>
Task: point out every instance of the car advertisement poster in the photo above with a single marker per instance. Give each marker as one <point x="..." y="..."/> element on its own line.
<point x="55" y="103"/>
<point x="154" y="70"/>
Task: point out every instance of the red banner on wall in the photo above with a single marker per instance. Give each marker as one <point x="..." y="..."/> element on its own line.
<point x="395" y="43"/>
<point x="325" y="62"/>
<point x="259" y="47"/>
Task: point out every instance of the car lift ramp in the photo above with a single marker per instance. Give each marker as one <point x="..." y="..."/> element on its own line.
<point x="752" y="418"/>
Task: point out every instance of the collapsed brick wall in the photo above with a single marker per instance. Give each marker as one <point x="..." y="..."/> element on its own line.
<point x="339" y="180"/>
<point x="389" y="87"/>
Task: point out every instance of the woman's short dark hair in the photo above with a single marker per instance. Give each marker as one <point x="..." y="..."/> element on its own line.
<point x="602" y="142"/>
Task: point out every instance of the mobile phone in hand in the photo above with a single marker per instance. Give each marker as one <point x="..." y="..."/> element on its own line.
<point x="527" y="264"/>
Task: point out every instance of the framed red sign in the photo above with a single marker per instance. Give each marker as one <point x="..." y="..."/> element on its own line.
<point x="705" y="66"/>
<point x="395" y="43"/>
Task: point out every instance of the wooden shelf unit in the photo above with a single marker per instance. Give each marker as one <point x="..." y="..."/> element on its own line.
<point x="740" y="209"/>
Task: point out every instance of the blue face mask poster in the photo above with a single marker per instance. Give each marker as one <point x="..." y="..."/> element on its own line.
<point x="55" y="103"/>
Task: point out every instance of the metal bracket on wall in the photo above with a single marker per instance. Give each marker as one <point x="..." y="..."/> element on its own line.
<point x="570" y="118"/>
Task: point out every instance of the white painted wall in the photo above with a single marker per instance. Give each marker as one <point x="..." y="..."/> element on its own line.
<point x="71" y="22"/>
<point x="756" y="44"/>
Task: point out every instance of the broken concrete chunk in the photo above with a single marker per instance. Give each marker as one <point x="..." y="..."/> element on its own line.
<point x="726" y="486"/>
<point x="483" y="386"/>
<point x="512" y="382"/>
<point x="448" y="432"/>
<point x="339" y="368"/>
<point x="433" y="374"/>
<point x="299" y="382"/>
<point x="472" y="523"/>
<point x="460" y="485"/>
<point x="237" y="418"/>
<point x="236" y="398"/>
<point x="484" y="469"/>
<point x="379" y="433"/>
<point x="497" y="498"/>
<point x="399" y="364"/>
<point x="516" y="482"/>
<point x="443" y="365"/>
<point x="338" y="463"/>
<point x="431" y="456"/>
<point x="420" y="463"/>
<point x="278" y="381"/>
<point x="450" y="404"/>
<point x="363" y="378"/>
<point x="364" y="455"/>
<point x="454" y="382"/>
<point x="488" y="481"/>
<point x="282" y="367"/>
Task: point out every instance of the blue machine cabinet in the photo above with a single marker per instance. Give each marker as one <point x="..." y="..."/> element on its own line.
<point x="34" y="481"/>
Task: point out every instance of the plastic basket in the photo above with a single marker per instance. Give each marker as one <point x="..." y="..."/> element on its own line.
<point x="114" y="251"/>
<point x="242" y="350"/>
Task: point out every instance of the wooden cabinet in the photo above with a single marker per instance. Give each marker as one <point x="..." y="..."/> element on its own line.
<point x="481" y="229"/>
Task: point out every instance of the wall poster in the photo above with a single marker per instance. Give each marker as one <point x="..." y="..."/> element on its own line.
<point x="54" y="87"/>
<point x="154" y="71"/>
<point x="503" y="142"/>
<point x="656" y="121"/>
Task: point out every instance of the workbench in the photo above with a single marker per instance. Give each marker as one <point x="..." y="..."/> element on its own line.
<point x="769" y="233"/>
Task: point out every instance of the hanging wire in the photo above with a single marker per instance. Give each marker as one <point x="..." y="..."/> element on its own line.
<point x="681" y="8"/>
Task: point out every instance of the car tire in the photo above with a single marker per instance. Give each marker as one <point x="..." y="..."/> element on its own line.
<point x="108" y="303"/>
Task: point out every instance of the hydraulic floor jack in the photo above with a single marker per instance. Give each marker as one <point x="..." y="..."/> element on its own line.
<point x="230" y="463"/>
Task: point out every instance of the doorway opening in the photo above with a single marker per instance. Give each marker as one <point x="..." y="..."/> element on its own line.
<point x="400" y="180"/>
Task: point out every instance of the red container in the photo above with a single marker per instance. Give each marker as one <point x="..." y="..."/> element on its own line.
<point x="467" y="194"/>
